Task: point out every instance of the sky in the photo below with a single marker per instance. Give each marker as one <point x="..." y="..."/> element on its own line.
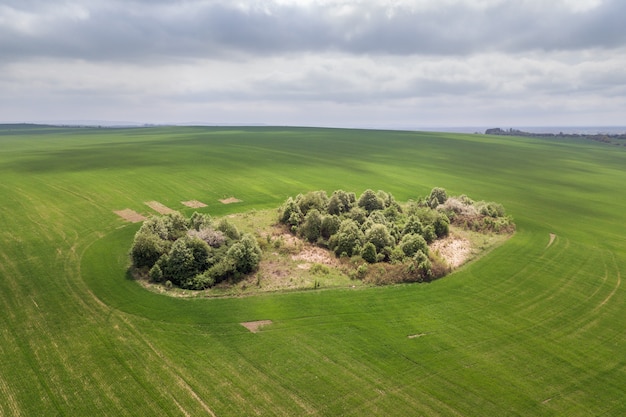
<point x="343" y="63"/>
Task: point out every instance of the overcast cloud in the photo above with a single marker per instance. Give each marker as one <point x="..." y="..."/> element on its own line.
<point x="319" y="62"/>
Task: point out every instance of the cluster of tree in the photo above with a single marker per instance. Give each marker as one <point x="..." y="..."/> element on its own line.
<point x="479" y="216"/>
<point x="374" y="226"/>
<point x="193" y="253"/>
<point x="377" y="229"/>
<point x="599" y="137"/>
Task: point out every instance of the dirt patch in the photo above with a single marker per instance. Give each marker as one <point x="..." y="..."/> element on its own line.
<point x="158" y="207"/>
<point x="552" y="237"/>
<point x="453" y="249"/>
<point x="230" y="200"/>
<point x="255" y="326"/>
<point x="193" y="204"/>
<point x="415" y="336"/>
<point x="130" y="215"/>
<point x="313" y="254"/>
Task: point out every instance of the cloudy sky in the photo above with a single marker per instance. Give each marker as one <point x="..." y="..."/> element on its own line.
<point x="386" y="63"/>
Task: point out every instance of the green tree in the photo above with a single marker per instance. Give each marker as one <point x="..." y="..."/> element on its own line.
<point x="291" y="214"/>
<point x="413" y="225"/>
<point x="412" y="243"/>
<point x="341" y="202"/>
<point x="348" y="238"/>
<point x="199" y="221"/>
<point x="245" y="254"/>
<point x="312" y="200"/>
<point x="369" y="253"/>
<point x="370" y="201"/>
<point x="330" y="226"/>
<point x="437" y="196"/>
<point x="311" y="228"/>
<point x="229" y="229"/>
<point x="147" y="248"/>
<point x="379" y="235"/>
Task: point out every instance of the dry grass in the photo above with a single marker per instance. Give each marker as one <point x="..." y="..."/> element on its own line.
<point x="159" y="208"/>
<point x="230" y="200"/>
<point x="130" y="215"/>
<point x="193" y="204"/>
<point x="255" y="326"/>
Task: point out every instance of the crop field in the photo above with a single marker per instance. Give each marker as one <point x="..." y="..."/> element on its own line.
<point x="536" y="327"/>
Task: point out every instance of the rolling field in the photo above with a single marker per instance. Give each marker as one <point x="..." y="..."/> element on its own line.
<point x="533" y="328"/>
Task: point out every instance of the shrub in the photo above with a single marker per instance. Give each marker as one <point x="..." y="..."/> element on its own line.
<point x="330" y="226"/>
<point x="312" y="200"/>
<point x="229" y="229"/>
<point x="311" y="228"/>
<point x="379" y="235"/>
<point x="245" y="254"/>
<point x="368" y="253"/>
<point x="348" y="238"/>
<point x="437" y="196"/>
<point x="369" y="201"/>
<point x="412" y="243"/>
<point x="147" y="248"/>
<point x="341" y="202"/>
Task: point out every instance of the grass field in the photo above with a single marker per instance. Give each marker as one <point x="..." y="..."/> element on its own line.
<point x="530" y="329"/>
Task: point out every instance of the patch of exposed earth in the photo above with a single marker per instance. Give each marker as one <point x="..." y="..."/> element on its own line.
<point x="453" y="249"/>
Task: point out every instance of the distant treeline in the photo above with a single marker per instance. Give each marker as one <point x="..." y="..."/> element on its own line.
<point x="599" y="137"/>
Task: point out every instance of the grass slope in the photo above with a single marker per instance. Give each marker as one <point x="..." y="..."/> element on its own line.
<point x="527" y="330"/>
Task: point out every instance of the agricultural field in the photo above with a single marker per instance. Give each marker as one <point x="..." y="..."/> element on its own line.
<point x="535" y="327"/>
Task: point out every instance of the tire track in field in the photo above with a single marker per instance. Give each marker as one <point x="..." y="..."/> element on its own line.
<point x="171" y="367"/>
<point x="612" y="293"/>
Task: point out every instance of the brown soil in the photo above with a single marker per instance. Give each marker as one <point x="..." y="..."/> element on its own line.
<point x="230" y="200"/>
<point x="158" y="207"/>
<point x="313" y="254"/>
<point x="255" y="326"/>
<point x="552" y="237"/>
<point x="194" y="204"/>
<point x="453" y="249"/>
<point x="130" y="215"/>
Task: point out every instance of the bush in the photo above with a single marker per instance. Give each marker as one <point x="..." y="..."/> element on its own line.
<point x="379" y="235"/>
<point x="348" y="239"/>
<point x="330" y="226"/>
<point x="245" y="254"/>
<point x="412" y="243"/>
<point x="368" y="253"/>
<point x="369" y="201"/>
<point x="311" y="228"/>
<point x="147" y="248"/>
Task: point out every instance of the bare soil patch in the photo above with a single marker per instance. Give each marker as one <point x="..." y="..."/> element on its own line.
<point x="130" y="215"/>
<point x="414" y="336"/>
<point x="453" y="249"/>
<point x="255" y="326"/>
<point x="158" y="207"/>
<point x="552" y="237"/>
<point x="230" y="200"/>
<point x="193" y="204"/>
<point x="313" y="254"/>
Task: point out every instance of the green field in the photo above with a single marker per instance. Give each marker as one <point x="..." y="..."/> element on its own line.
<point x="526" y="330"/>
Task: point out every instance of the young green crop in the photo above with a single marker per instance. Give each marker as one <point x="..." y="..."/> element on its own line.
<point x="529" y="329"/>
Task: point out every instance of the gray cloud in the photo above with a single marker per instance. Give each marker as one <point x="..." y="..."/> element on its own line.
<point x="314" y="61"/>
<point x="133" y="31"/>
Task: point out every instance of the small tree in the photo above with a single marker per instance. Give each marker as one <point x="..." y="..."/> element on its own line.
<point x="330" y="226"/>
<point x="437" y="196"/>
<point x="311" y="228"/>
<point x="370" y="201"/>
<point x="147" y="249"/>
<point x="348" y="238"/>
<point x="341" y="202"/>
<point x="379" y="235"/>
<point x="369" y="253"/>
<point x="245" y="254"/>
<point x="412" y="243"/>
